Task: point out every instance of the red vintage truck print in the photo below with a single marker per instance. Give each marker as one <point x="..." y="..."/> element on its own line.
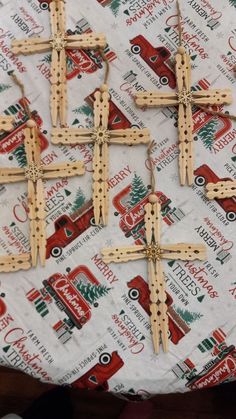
<point x="63" y="291"/>
<point x="139" y="291"/>
<point x="97" y="377"/>
<point x="220" y="369"/>
<point x="156" y="59"/>
<point x="133" y="218"/>
<point x="116" y="119"/>
<point x="204" y="174"/>
<point x="68" y="228"/>
<point x="3" y="307"/>
<point x="10" y="141"/>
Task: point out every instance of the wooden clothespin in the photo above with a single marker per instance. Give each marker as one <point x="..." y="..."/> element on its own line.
<point x="14" y="263"/>
<point x="58" y="43"/>
<point x="221" y="190"/>
<point x="101" y="137"/>
<point x="35" y="173"/>
<point x="6" y="123"/>
<point x="154" y="252"/>
<point x="184" y="99"/>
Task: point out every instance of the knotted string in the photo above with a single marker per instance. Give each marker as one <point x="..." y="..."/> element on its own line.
<point x="179" y="24"/>
<point x="22" y="89"/>
<point x="151" y="165"/>
<point x="107" y="65"/>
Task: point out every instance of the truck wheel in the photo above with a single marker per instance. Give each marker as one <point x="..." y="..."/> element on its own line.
<point x="135" y="49"/>
<point x="83" y="320"/>
<point x="164" y="80"/>
<point x="105" y="359"/>
<point x="56" y="252"/>
<point x="231" y="216"/>
<point x="200" y="181"/>
<point x="44" y="5"/>
<point x="134" y="294"/>
<point x="96" y="305"/>
<point x="92" y="221"/>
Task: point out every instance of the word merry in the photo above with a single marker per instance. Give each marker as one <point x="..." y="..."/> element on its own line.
<point x="207" y="238"/>
<point x="114" y="181"/>
<point x="216" y="232"/>
<point x="104" y="269"/>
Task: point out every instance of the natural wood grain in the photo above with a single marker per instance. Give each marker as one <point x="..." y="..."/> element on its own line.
<point x="58" y="43"/>
<point x="101" y="137"/>
<point x="184" y="99"/>
<point x="153" y="251"/>
<point x="34" y="173"/>
<point x="221" y="190"/>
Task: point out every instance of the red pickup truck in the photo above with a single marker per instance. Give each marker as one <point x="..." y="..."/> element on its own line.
<point x="62" y="288"/>
<point x="117" y="119"/>
<point x="97" y="377"/>
<point x="138" y="290"/>
<point x="156" y="59"/>
<point x="217" y="372"/>
<point x="68" y="228"/>
<point x="204" y="174"/>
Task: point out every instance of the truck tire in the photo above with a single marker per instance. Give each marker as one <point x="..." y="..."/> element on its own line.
<point x="231" y="216"/>
<point x="200" y="181"/>
<point x="164" y="80"/>
<point x="135" y="49"/>
<point x="44" y="5"/>
<point x="134" y="294"/>
<point x="56" y="252"/>
<point x="105" y="358"/>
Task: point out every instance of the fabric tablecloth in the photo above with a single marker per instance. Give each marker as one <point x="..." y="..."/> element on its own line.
<point x="79" y="321"/>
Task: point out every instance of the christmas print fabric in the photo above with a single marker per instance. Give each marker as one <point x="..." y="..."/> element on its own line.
<point x="80" y="321"/>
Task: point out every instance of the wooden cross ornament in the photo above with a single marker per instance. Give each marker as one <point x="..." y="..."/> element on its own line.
<point x="184" y="99"/>
<point x="153" y="251"/>
<point x="34" y="173"/>
<point x="58" y="43"/>
<point x="101" y="137"/>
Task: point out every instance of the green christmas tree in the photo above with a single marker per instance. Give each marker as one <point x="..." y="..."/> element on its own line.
<point x="188" y="316"/>
<point x="233" y="3"/>
<point x="47" y="58"/>
<point x="207" y="133"/>
<point x="20" y="155"/>
<point x="79" y="200"/>
<point x="114" y="6"/>
<point x="138" y="190"/>
<point x="70" y="64"/>
<point x="4" y="86"/>
<point x="92" y="292"/>
<point x="84" y="109"/>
